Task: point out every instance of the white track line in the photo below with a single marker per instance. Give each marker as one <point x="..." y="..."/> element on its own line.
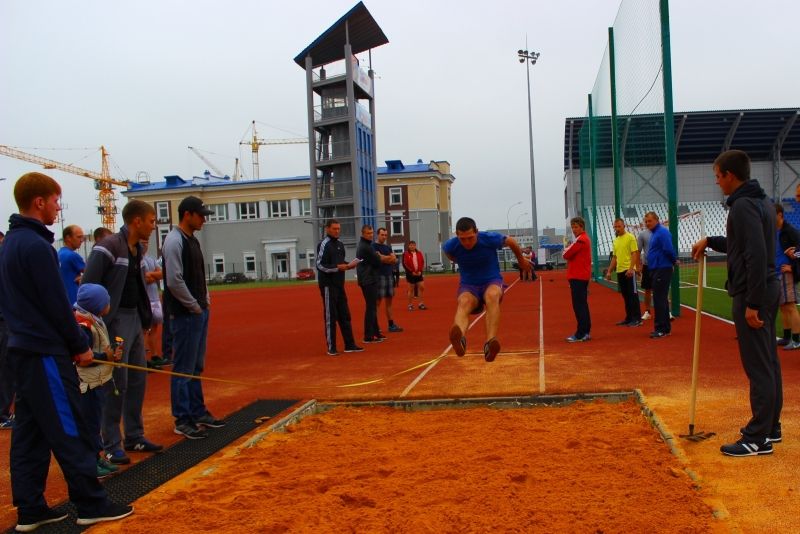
<point x="541" y="335"/>
<point x="444" y="352"/>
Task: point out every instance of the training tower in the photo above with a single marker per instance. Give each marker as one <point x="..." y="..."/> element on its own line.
<point x="341" y="123"/>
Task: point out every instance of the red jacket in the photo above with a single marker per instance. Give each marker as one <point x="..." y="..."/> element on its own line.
<point x="408" y="261"/>
<point x="579" y="258"/>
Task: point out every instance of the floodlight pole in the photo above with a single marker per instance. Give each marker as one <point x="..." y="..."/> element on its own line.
<point x="530" y="58"/>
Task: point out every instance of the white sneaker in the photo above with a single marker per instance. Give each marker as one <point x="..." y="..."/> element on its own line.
<point x="646" y="316"/>
<point x="792" y="345"/>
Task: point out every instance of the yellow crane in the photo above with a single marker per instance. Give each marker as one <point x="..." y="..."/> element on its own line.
<point x="256" y="143"/>
<point x="103" y="182"/>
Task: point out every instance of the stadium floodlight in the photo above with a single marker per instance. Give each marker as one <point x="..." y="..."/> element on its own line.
<point x="530" y="58"/>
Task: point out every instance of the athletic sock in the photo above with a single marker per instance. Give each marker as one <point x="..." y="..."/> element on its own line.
<point x="796" y="338"/>
<point x="391" y="323"/>
<point x="787" y="333"/>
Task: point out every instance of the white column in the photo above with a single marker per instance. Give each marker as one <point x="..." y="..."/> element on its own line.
<point x="292" y="260"/>
<point x="268" y="255"/>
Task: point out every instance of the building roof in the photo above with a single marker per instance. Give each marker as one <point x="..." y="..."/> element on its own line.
<point x="363" y="31"/>
<point x="700" y="136"/>
<point x="208" y="180"/>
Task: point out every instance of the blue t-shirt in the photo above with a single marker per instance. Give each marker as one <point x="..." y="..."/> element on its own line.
<point x="385" y="269"/>
<point x="71" y="265"/>
<point x="479" y="265"/>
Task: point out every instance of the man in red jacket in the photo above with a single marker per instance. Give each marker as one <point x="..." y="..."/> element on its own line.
<point x="414" y="264"/>
<point x="579" y="268"/>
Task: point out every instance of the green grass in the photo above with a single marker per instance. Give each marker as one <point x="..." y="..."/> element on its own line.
<point x="715" y="299"/>
<point x="259" y="284"/>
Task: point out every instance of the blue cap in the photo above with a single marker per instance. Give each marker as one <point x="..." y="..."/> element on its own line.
<point x="93" y="298"/>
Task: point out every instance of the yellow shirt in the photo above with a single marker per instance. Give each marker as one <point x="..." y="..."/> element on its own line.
<point x="624" y="247"/>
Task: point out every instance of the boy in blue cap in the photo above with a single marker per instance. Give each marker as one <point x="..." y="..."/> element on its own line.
<point x="91" y="304"/>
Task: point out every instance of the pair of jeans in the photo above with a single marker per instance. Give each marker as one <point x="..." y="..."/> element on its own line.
<point x="189" y="333"/>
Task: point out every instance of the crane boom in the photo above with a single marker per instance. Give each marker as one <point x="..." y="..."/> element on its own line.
<point x="207" y="162"/>
<point x="256" y="143"/>
<point x="103" y="182"/>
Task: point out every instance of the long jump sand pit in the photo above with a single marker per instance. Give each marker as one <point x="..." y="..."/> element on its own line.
<point x="588" y="466"/>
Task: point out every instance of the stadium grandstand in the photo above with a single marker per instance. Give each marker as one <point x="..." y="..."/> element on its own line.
<point x="770" y="136"/>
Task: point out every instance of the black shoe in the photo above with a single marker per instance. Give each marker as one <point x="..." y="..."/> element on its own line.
<point x="635" y="323"/>
<point x="28" y="523"/>
<point x="380" y="336"/>
<point x="490" y="350"/>
<point x="784" y="341"/>
<point x="742" y="448"/>
<point x="209" y="421"/>
<point x="143" y="445"/>
<point x="623" y="323"/>
<point x="457" y="340"/>
<point x="190" y="431"/>
<point x="375" y="339"/>
<point x="657" y="335"/>
<point x="394" y="328"/>
<point x="354" y="348"/>
<point x="117" y="457"/>
<point x="333" y="352"/>
<point x="112" y="512"/>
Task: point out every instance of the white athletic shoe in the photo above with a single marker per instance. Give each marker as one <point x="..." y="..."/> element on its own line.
<point x="646" y="316"/>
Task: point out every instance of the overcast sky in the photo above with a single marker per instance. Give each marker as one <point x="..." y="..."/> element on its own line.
<point x="148" y="78"/>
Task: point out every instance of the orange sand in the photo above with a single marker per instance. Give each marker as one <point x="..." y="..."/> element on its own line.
<point x="593" y="467"/>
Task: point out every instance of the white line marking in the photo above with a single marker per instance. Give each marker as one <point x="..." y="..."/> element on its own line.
<point x="441" y="356"/>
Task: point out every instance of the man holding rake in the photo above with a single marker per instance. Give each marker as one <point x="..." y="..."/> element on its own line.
<point x="481" y="282"/>
<point x="754" y="288"/>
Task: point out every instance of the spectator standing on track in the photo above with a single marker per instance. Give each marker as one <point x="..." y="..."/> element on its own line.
<point x="92" y="303"/>
<point x="116" y="264"/>
<point x="368" y="270"/>
<point x="70" y="263"/>
<point x="43" y="346"/>
<point x="578" y="256"/>
<point x="624" y="262"/>
<point x="6" y="379"/>
<point x="481" y="284"/>
<point x="152" y="336"/>
<point x="331" y="266"/>
<point x="660" y="260"/>
<point x="386" y="279"/>
<point x="187" y="301"/>
<point x="754" y="288"/>
<point x="788" y="271"/>
<point x="414" y="265"/>
<point x="646" y="282"/>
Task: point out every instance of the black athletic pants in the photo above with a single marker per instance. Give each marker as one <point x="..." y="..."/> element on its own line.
<point x="335" y="310"/>
<point x="48" y="418"/>
<point x="630" y="296"/>
<point x="661" y="279"/>
<point x="371" y="327"/>
<point x="758" y="350"/>
<point x="580" y="305"/>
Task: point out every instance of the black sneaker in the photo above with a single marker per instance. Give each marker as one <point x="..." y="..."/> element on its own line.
<point x="743" y="448"/>
<point x="623" y="323"/>
<point x="190" y="431"/>
<point x="117" y="457"/>
<point x="354" y="348"/>
<point x="490" y="349"/>
<point x="375" y="339"/>
<point x="209" y="421"/>
<point x="28" y="523"/>
<point x="394" y="328"/>
<point x="333" y="352"/>
<point x="657" y="335"/>
<point x="143" y="445"/>
<point x="112" y="512"/>
<point x="634" y="323"/>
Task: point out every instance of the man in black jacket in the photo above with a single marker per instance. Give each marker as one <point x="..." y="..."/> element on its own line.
<point x="116" y="264"/>
<point x="787" y="266"/>
<point x="331" y="266"/>
<point x="368" y="278"/>
<point x="44" y="341"/>
<point x="754" y="287"/>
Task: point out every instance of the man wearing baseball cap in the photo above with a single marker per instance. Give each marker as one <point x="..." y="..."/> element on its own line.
<point x="186" y="301"/>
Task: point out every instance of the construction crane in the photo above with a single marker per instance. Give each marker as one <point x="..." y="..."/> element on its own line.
<point x="207" y="162"/>
<point x="103" y="182"/>
<point x="256" y="143"/>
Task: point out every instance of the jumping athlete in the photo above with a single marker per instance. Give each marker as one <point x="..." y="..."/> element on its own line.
<point x="481" y="283"/>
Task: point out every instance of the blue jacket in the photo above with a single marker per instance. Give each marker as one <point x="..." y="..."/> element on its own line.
<point x="660" y="255"/>
<point x="32" y="296"/>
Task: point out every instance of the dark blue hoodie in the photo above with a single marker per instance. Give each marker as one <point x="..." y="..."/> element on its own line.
<point x="32" y="296"/>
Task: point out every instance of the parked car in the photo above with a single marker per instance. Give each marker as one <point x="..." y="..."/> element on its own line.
<point x="306" y="274"/>
<point x="436" y="267"/>
<point x="236" y="278"/>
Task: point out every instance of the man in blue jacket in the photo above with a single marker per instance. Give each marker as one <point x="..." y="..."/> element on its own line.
<point x="44" y="341"/>
<point x="754" y="289"/>
<point x="660" y="261"/>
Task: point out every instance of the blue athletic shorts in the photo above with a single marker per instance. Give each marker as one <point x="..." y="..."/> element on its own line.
<point x="478" y="290"/>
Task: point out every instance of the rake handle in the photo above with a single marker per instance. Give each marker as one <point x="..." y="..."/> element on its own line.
<point x="696" y="348"/>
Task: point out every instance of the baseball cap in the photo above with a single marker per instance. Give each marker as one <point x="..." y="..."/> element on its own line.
<point x="194" y="205"/>
<point x="93" y="298"/>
